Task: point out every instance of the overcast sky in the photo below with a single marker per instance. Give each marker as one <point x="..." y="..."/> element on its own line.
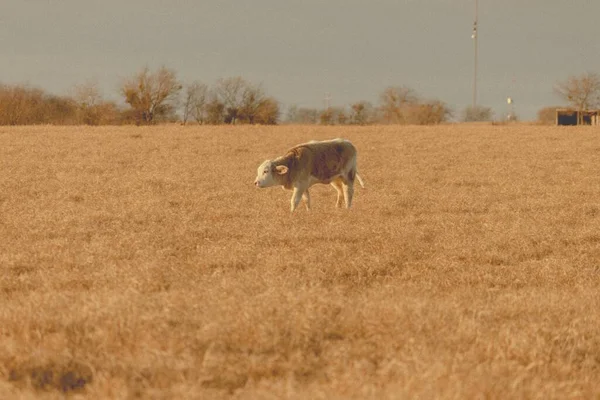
<point x="301" y="49"/>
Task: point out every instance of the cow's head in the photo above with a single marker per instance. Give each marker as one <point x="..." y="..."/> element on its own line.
<point x="267" y="174"/>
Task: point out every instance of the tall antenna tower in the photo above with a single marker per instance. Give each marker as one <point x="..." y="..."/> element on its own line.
<point x="474" y="37"/>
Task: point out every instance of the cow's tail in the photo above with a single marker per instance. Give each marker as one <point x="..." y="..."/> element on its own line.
<point x="360" y="180"/>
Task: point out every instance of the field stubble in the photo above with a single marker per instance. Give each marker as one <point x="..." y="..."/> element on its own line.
<point x="143" y="262"/>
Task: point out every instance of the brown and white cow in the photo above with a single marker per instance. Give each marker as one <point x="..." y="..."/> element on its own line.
<point x="328" y="162"/>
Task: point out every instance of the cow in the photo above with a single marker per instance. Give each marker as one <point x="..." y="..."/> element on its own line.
<point x="328" y="162"/>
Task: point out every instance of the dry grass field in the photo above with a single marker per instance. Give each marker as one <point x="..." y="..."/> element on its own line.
<point x="142" y="262"/>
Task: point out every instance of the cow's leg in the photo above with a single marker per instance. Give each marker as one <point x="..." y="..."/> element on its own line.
<point x="296" y="197"/>
<point x="337" y="185"/>
<point x="306" y="198"/>
<point x="348" y="193"/>
<point x="349" y="188"/>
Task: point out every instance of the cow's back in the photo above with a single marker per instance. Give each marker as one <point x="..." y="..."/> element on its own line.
<point x="327" y="159"/>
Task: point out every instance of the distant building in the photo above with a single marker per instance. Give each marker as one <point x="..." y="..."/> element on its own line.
<point x="568" y="116"/>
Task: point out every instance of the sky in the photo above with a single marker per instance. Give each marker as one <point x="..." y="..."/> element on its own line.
<point x="299" y="50"/>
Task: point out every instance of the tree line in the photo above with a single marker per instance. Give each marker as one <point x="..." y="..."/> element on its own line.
<point x="148" y="97"/>
<point x="152" y="97"/>
<point x="397" y="105"/>
<point x="158" y="97"/>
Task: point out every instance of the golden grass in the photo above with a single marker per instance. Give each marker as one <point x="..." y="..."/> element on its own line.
<point x="142" y="262"/>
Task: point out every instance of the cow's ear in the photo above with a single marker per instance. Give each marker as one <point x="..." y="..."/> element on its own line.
<point x="281" y="169"/>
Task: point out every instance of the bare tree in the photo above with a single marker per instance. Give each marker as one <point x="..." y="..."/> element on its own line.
<point x="252" y="98"/>
<point x="59" y="110"/>
<point x="333" y="116"/>
<point x="292" y="114"/>
<point x="427" y="113"/>
<point x="582" y="92"/>
<point x="199" y="105"/>
<point x="151" y="95"/>
<point x="230" y="92"/>
<point x="477" y="114"/>
<point x="215" y="110"/>
<point x="194" y="102"/>
<point x="187" y="102"/>
<point x="394" y="100"/>
<point x="302" y="115"/>
<point x="14" y="105"/>
<point x="244" y="102"/>
<point x="267" y="112"/>
<point x="361" y="113"/>
<point x="22" y="105"/>
<point x="89" y="102"/>
<point x="308" y="115"/>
